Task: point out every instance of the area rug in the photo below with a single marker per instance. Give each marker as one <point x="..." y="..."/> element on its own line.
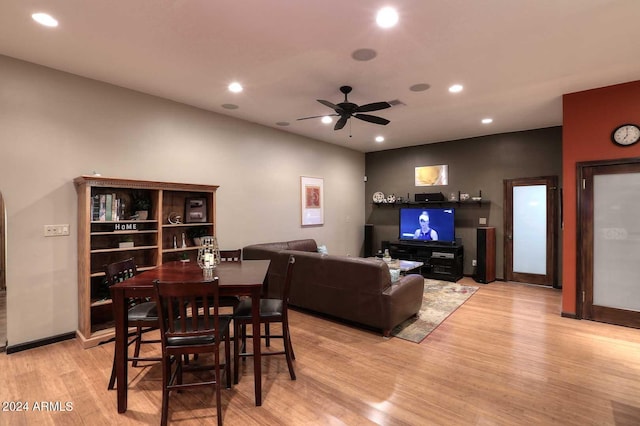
<point x="439" y="300"/>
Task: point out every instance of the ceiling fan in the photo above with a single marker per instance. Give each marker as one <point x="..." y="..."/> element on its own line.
<point x="346" y="110"/>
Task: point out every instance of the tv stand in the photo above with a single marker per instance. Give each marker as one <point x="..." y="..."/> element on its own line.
<point x="441" y="261"/>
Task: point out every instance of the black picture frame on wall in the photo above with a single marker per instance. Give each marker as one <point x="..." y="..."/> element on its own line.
<point x="196" y="210"/>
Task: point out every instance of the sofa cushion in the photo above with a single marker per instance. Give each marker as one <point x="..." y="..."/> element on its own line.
<point x="268" y="250"/>
<point x="303" y="245"/>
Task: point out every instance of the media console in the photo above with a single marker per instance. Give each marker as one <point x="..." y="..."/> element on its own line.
<point x="441" y="261"/>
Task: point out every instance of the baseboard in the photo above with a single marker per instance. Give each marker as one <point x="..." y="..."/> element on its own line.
<point x="41" y="342"/>
<point x="569" y="315"/>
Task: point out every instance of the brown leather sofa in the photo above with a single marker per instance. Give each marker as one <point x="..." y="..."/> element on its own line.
<point x="350" y="288"/>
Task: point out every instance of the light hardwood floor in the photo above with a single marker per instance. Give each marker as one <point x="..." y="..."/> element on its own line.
<point x="506" y="357"/>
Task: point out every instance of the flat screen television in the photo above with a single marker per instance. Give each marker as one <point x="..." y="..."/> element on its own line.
<point x="433" y="224"/>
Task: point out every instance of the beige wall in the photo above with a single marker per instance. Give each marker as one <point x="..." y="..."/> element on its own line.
<point x="56" y="126"/>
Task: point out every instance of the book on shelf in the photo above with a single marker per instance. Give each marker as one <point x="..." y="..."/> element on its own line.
<point x="109" y="207"/>
<point x="103" y="208"/>
<point x="95" y="208"/>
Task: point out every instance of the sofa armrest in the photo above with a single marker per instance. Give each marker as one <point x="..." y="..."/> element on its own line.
<point x="404" y="298"/>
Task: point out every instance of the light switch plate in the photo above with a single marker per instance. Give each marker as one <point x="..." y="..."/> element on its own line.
<point x="56" y="230"/>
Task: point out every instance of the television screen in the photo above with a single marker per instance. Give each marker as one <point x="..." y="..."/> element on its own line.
<point x="434" y="224"/>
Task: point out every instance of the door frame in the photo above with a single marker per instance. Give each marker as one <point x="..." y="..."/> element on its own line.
<point x="551" y="278"/>
<point x="3" y="253"/>
<point x="584" y="243"/>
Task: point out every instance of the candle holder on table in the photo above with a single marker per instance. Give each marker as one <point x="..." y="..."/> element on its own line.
<point x="208" y="256"/>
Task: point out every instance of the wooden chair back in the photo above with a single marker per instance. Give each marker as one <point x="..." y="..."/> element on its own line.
<point x="120" y="271"/>
<point x="189" y="311"/>
<point x="231" y="255"/>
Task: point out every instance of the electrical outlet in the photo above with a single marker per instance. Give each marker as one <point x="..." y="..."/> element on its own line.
<point x="482" y="221"/>
<point x="56" y="230"/>
<point x="474" y="262"/>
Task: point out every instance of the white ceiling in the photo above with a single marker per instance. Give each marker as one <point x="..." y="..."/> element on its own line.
<point x="515" y="58"/>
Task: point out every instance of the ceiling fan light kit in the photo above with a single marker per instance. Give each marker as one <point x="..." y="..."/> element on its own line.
<point x="345" y="110"/>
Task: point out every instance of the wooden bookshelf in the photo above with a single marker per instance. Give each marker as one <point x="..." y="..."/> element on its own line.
<point x="150" y="241"/>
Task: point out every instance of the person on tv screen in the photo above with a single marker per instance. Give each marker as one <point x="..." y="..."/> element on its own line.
<point x="425" y="232"/>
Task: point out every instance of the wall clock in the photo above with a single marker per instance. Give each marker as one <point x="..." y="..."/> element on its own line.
<point x="626" y="134"/>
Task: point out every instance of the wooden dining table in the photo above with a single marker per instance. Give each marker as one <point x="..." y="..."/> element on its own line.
<point x="235" y="279"/>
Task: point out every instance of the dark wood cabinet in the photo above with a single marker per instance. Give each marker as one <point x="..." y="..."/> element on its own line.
<point x="441" y="261"/>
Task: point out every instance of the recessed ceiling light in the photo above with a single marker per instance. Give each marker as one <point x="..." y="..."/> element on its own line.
<point x="379" y="139"/>
<point x="229" y="106"/>
<point x="235" y="87"/>
<point x="387" y="17"/>
<point x="326" y="119"/>
<point x="487" y="120"/>
<point x="456" y="88"/>
<point x="45" y="19"/>
<point x="364" y="54"/>
<point x="420" y="87"/>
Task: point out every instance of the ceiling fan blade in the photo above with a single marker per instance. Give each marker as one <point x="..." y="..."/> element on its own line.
<point x="340" y="123"/>
<point x="372" y="119"/>
<point x="317" y="116"/>
<point x="334" y="107"/>
<point x="376" y="106"/>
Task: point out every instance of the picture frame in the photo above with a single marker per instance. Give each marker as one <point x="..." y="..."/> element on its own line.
<point x="195" y="210"/>
<point x="432" y="175"/>
<point x="311" y="201"/>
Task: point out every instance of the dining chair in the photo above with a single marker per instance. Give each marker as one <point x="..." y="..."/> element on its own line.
<point x="231" y="255"/>
<point x="272" y="310"/>
<point x="141" y="314"/>
<point x="191" y="324"/>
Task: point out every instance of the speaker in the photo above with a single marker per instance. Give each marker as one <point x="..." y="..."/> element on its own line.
<point x="486" y="255"/>
<point x="368" y="240"/>
<point x="432" y="196"/>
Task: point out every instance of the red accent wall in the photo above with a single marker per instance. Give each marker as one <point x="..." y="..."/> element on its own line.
<point x="589" y="117"/>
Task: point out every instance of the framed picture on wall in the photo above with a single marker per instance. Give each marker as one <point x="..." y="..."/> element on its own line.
<point x="311" y="201"/>
<point x="432" y="175"/>
<point x="196" y="210"/>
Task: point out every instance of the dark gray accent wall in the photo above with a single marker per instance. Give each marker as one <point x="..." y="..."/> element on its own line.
<point x="476" y="164"/>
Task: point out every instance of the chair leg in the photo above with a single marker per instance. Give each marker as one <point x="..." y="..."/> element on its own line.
<point x="227" y="359"/>
<point x="112" y="380"/>
<point x="218" y="388"/>
<point x="136" y="352"/>
<point x="293" y="354"/>
<point x="288" y="349"/>
<point x="166" y="364"/>
<point x="244" y="336"/>
<point x="267" y="334"/>
<point x="236" y="350"/>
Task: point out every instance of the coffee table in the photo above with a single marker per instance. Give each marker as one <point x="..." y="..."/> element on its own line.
<point x="405" y="266"/>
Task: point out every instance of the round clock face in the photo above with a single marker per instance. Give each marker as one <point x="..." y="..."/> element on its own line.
<point x="626" y="134"/>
